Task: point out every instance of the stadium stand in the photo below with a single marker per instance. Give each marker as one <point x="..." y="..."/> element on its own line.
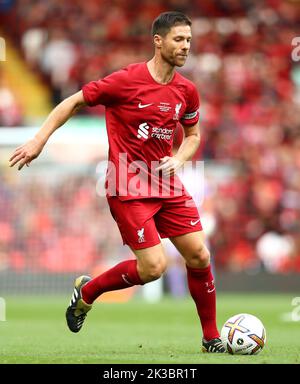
<point x="250" y="117"/>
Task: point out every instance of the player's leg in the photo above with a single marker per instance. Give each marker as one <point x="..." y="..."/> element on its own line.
<point x="78" y="308"/>
<point x="150" y="264"/>
<point x="201" y="285"/>
<point x="179" y="220"/>
<point x="137" y="227"/>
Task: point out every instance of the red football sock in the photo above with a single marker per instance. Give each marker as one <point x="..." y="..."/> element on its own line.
<point x="122" y="275"/>
<point x="202" y="289"/>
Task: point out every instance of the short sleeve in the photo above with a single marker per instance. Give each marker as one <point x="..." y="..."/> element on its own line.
<point x="191" y="114"/>
<point x="106" y="91"/>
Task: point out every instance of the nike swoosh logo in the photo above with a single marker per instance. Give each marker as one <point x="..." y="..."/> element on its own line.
<point x="124" y="277"/>
<point x="195" y="222"/>
<point x="211" y="290"/>
<point x="144" y="105"/>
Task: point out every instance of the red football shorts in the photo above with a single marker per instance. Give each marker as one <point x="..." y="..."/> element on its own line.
<point x="142" y="221"/>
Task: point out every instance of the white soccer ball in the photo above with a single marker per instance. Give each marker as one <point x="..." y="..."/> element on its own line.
<point x="243" y="334"/>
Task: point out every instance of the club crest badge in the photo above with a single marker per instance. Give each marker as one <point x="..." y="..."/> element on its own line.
<point x="177" y="110"/>
<point x="141" y="235"/>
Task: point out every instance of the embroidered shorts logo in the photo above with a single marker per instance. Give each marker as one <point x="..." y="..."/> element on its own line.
<point x="195" y="222"/>
<point x="141" y="236"/>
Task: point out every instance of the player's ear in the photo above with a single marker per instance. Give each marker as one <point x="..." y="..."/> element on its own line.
<point x="157" y="41"/>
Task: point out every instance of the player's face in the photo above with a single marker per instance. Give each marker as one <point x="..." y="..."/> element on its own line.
<point x="175" y="46"/>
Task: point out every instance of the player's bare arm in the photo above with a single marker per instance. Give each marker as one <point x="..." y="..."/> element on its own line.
<point x="170" y="165"/>
<point x="59" y="115"/>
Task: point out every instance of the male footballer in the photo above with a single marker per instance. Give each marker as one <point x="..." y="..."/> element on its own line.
<point x="144" y="103"/>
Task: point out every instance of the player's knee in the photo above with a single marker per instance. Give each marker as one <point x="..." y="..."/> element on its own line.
<point x="154" y="271"/>
<point x="200" y="258"/>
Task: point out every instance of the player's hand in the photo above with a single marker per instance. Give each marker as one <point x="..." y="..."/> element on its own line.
<point x="26" y="153"/>
<point x="169" y="165"/>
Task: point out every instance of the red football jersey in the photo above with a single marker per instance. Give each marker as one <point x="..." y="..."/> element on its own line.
<point x="141" y="118"/>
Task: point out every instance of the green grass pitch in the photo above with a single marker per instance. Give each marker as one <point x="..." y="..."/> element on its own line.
<point x="139" y="332"/>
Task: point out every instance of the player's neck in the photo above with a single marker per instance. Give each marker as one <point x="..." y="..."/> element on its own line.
<point x="161" y="71"/>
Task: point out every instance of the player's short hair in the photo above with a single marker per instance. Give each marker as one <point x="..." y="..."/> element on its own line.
<point x="166" y="20"/>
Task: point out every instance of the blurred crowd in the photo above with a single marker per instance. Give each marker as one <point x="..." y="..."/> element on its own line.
<point x="64" y="225"/>
<point x="241" y="62"/>
<point x="72" y="42"/>
<point x="60" y="227"/>
<point x="11" y="113"/>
